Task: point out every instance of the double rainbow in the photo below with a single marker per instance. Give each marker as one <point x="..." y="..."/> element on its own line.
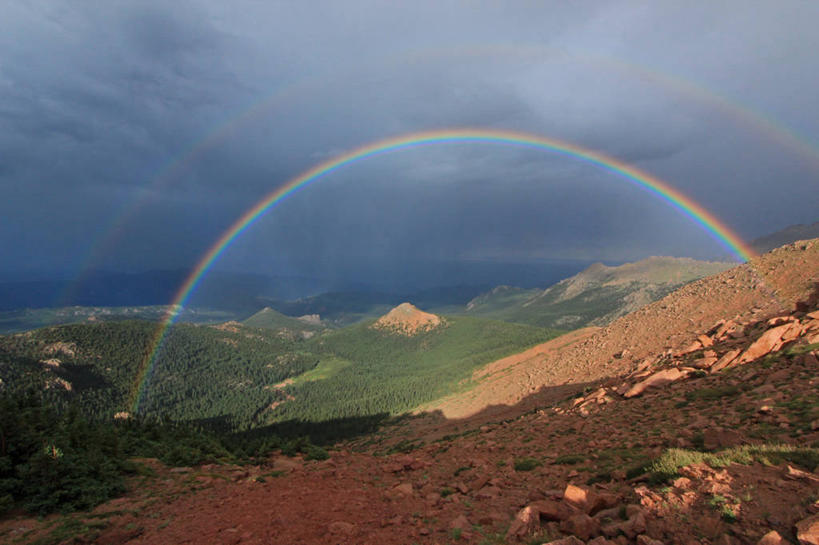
<point x="683" y="204"/>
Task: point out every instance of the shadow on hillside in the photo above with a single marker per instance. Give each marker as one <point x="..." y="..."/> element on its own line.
<point x="325" y="432"/>
<point x="434" y="424"/>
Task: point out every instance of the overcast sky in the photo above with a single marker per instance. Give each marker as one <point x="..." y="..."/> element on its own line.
<point x="132" y="133"/>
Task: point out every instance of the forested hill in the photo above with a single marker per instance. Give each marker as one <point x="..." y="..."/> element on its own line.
<point x="202" y="372"/>
<point x="237" y="375"/>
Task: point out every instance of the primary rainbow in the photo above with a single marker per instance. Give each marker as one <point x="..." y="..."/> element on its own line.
<point x="718" y="230"/>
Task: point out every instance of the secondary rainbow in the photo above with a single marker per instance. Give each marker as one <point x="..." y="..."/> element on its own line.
<point x="662" y="190"/>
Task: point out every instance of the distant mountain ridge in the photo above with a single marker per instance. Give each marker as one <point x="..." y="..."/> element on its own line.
<point x="595" y="296"/>
<point x="784" y="236"/>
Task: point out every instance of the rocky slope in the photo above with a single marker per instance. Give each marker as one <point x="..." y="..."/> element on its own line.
<point x="770" y="284"/>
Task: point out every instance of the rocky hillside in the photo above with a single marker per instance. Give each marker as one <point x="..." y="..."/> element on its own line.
<point x="407" y="319"/>
<point x="768" y="285"/>
<point x="595" y="296"/>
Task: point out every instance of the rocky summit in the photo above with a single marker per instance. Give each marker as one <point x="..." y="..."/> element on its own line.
<point x="407" y="319"/>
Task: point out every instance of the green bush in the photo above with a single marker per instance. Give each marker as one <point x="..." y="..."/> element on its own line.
<point x="526" y="464"/>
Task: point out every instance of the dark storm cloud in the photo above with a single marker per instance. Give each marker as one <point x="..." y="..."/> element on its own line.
<point x="99" y="99"/>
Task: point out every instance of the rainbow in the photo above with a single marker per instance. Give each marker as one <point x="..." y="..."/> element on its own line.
<point x="742" y="115"/>
<point x="712" y="225"/>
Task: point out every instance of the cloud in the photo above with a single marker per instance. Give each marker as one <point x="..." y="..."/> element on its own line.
<point x="180" y="116"/>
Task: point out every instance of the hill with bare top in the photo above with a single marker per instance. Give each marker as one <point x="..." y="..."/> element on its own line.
<point x="407" y="319"/>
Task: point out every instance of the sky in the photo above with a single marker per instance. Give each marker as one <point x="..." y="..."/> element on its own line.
<point x="133" y="133"/>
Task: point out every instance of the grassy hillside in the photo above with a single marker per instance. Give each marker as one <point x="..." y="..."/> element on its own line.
<point x="595" y="296"/>
<point x="364" y="371"/>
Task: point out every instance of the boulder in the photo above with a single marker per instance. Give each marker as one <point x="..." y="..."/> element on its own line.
<point x="576" y="497"/>
<point x="807" y="531"/>
<point x="341" y="528"/>
<point x="551" y="510"/>
<point x="770" y="341"/>
<point x="571" y="540"/>
<point x="660" y="378"/>
<point x="525" y="523"/>
<point x="581" y="525"/>
<point x="645" y="540"/>
<point x="772" y="538"/>
<point x="726" y="360"/>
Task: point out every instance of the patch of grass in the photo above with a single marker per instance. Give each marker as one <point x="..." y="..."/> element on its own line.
<point x="712" y="394"/>
<point x="446" y="492"/>
<point x="668" y="465"/>
<point x="569" y="459"/>
<point x="720" y="503"/>
<point x="526" y="464"/>
<point x="461" y="470"/>
<point x="456" y="533"/>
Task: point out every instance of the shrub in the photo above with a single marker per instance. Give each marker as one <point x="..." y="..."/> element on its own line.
<point x="526" y="464"/>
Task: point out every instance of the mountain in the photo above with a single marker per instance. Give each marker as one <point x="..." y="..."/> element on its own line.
<point x="342" y="308"/>
<point x="12" y="321"/>
<point x="595" y="296"/>
<point x="267" y="318"/>
<point x="407" y="319"/>
<point x="787" y="235"/>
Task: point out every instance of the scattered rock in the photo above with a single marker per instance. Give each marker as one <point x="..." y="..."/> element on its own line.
<point x="525" y="523"/>
<point x="341" y="528"/>
<point x="807" y="531"/>
<point x="581" y="525"/>
<point x="661" y="378"/>
<point x="772" y="538"/>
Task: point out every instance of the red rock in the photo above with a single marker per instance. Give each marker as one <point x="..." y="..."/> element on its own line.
<point x="581" y="525"/>
<point x="726" y="360"/>
<point x="683" y="483"/>
<point x="525" y="522"/>
<point x="575" y="496"/>
<point x="460" y="523"/>
<point x="772" y="538"/>
<point x="705" y="340"/>
<point x="552" y="510"/>
<point x="704" y="363"/>
<point x="807" y="531"/>
<point x="404" y="488"/>
<point x="660" y="378"/>
<point x="341" y="528"/>
<point x="770" y="341"/>
<point x="600" y="540"/>
<point x="693" y="347"/>
<point x="645" y="540"/>
<point x="571" y="540"/>
<point x="488" y="493"/>
<point x="797" y="474"/>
